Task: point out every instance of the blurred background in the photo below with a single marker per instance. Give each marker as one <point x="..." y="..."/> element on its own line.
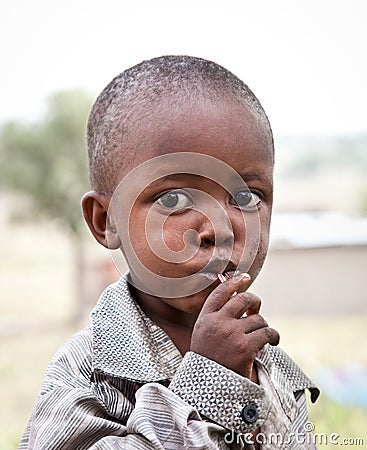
<point x="305" y="61"/>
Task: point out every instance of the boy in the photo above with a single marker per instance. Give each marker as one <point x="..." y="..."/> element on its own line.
<point x="177" y="355"/>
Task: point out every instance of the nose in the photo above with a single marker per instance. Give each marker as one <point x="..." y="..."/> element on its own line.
<point x="216" y="229"/>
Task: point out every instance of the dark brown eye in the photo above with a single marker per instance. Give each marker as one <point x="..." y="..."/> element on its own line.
<point x="169" y="200"/>
<point x="174" y="200"/>
<point x="246" y="199"/>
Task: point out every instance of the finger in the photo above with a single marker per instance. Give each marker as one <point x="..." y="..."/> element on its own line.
<point x="252" y="323"/>
<point x="245" y="301"/>
<point x="264" y="336"/>
<point x="223" y="293"/>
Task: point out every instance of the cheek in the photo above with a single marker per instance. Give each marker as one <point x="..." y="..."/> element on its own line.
<point x="262" y="248"/>
<point x="248" y="231"/>
<point x="264" y="216"/>
<point x="176" y="234"/>
<point x="160" y="238"/>
<point x="252" y="236"/>
<point x="139" y="233"/>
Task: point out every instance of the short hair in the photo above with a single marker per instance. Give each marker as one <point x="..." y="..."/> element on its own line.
<point x="113" y="113"/>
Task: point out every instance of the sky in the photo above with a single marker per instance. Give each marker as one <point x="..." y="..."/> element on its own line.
<point x="305" y="60"/>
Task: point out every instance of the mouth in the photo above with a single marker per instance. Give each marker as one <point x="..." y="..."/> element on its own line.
<point x="215" y="268"/>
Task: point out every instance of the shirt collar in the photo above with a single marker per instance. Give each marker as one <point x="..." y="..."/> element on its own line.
<point x="126" y="343"/>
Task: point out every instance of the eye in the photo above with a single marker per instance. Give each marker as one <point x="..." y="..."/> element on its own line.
<point x="174" y="200"/>
<point x="246" y="199"/>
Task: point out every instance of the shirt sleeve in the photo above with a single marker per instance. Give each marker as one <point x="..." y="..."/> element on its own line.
<point x="221" y="395"/>
<point x="196" y="411"/>
<point x="74" y="419"/>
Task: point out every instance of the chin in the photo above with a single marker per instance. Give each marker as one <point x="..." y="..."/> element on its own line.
<point x="197" y="300"/>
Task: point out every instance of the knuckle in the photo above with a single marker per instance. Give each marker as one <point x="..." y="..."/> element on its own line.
<point x="254" y="302"/>
<point x="263" y="321"/>
<point x="215" y="328"/>
<point x="212" y="303"/>
<point x="256" y="321"/>
<point x="243" y="297"/>
<point x="201" y="325"/>
<point x="272" y="335"/>
<point x="215" y="300"/>
<point x="276" y="337"/>
<point x="254" y="298"/>
<point x="226" y="332"/>
<point x="222" y="288"/>
<point x="243" y="346"/>
<point x="268" y="332"/>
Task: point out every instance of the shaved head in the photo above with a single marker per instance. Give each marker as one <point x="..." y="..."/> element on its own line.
<point x="136" y="95"/>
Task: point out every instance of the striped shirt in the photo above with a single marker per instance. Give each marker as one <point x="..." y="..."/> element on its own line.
<point x="122" y="384"/>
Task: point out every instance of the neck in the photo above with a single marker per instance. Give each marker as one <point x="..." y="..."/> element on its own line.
<point x="176" y="323"/>
<point x="161" y="312"/>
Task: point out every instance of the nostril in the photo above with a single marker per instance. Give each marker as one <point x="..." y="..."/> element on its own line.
<point x="207" y="242"/>
<point x="217" y="233"/>
<point x="217" y="241"/>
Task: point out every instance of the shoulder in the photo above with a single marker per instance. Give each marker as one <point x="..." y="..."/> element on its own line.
<point x="72" y="364"/>
<point x="295" y="376"/>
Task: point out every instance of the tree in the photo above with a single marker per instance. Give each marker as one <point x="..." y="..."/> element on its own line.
<point x="46" y="162"/>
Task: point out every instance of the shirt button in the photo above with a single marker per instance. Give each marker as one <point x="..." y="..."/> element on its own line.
<point x="249" y="413"/>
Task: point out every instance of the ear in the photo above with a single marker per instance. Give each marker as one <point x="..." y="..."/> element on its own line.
<point x="95" y="210"/>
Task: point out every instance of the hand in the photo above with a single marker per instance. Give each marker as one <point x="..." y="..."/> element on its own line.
<point x="223" y="335"/>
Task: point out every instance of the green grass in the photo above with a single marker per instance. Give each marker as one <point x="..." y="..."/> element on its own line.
<point x="330" y="417"/>
<point x="36" y="308"/>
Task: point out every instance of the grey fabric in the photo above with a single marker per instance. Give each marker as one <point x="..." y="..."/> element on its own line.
<point x="122" y="384"/>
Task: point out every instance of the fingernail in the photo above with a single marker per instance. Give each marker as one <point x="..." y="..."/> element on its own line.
<point x="239" y="276"/>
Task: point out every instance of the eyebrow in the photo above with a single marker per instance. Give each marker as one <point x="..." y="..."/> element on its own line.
<point x="247" y="177"/>
<point x="167" y="178"/>
<point x="253" y="176"/>
<point x="250" y="176"/>
<point x="265" y="181"/>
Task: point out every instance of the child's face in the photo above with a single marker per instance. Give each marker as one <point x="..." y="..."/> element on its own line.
<point x="228" y="230"/>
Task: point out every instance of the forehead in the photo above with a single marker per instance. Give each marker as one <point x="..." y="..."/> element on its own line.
<point x="224" y="129"/>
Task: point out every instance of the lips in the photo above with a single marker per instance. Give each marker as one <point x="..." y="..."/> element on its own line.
<point x="216" y="266"/>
